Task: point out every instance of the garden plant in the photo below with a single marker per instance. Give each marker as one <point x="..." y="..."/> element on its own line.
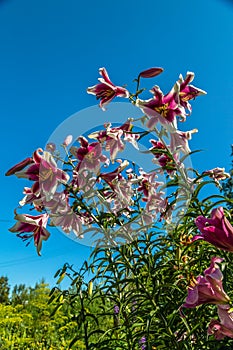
<point x="160" y="272"/>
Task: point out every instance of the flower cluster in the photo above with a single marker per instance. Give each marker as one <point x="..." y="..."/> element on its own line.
<point x="208" y="289"/>
<point x="123" y="197"/>
<point x="92" y="189"/>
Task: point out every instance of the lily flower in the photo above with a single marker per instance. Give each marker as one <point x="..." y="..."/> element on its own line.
<point x="162" y="156"/>
<point x="123" y="194"/>
<point x="217" y="230"/>
<point x="156" y="203"/>
<point x="89" y="154"/>
<point x="147" y="184"/>
<point x="35" y="224"/>
<point x="58" y="203"/>
<point x="42" y="169"/>
<point x="114" y="137"/>
<point x="32" y="196"/>
<point x="106" y="91"/>
<point x="188" y="92"/>
<point x="179" y="140"/>
<point x="207" y="289"/>
<point x="153" y="197"/>
<point x="109" y="177"/>
<point x="69" y="221"/>
<point x="83" y="181"/>
<point x="163" y="108"/>
<point x="224" y="328"/>
<point x="217" y="174"/>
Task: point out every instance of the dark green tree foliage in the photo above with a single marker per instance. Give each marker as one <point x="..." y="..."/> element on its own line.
<point x="27" y="320"/>
<point x="20" y="294"/>
<point x="4" y="290"/>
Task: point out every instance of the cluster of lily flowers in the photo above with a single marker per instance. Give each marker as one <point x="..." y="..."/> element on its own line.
<point x="208" y="289"/>
<point x="124" y="196"/>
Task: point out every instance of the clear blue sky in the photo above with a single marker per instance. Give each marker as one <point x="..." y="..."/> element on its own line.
<point x="51" y="52"/>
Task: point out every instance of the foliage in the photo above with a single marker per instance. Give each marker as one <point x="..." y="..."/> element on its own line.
<point x="26" y="321"/>
<point x="4" y="290"/>
<point x="147" y="280"/>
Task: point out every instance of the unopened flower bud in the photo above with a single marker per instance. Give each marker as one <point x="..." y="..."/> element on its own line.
<point x="68" y="140"/>
<point x="151" y="72"/>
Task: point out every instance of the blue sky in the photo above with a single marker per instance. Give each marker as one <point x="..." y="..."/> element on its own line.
<point x="51" y="52"/>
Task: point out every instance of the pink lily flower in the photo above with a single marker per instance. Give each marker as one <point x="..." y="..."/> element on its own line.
<point x="32" y="196"/>
<point x="69" y="221"/>
<point x="224" y="327"/>
<point x="188" y="92"/>
<point x="217" y="174"/>
<point x="147" y="184"/>
<point x="106" y="91"/>
<point x="179" y="140"/>
<point x="58" y="203"/>
<point x="217" y="230"/>
<point x="42" y="169"/>
<point x="155" y="205"/>
<point x="111" y="176"/>
<point x="35" y="224"/>
<point x="89" y="155"/>
<point x="114" y="137"/>
<point x="82" y="180"/>
<point x="50" y="176"/>
<point x="207" y="289"/>
<point x="163" y="108"/>
<point x="123" y="194"/>
<point x="162" y="156"/>
<point x="153" y="197"/>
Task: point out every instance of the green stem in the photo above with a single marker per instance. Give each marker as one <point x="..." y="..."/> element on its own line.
<point x="85" y="324"/>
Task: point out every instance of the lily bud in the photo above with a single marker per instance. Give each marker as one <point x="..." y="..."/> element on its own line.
<point x="68" y="140"/>
<point x="151" y="72"/>
<point x="19" y="166"/>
